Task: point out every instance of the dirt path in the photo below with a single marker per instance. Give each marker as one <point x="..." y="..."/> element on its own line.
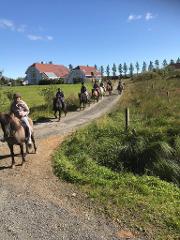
<point x="35" y="204"/>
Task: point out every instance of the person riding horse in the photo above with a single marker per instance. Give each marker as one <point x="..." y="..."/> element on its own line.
<point x="120" y="87"/>
<point x="84" y="90"/>
<point x="20" y="109"/>
<point x="59" y="103"/>
<point x="60" y="95"/>
<point x="95" y="88"/>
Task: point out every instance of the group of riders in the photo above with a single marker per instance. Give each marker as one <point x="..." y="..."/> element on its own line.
<point x="21" y="110"/>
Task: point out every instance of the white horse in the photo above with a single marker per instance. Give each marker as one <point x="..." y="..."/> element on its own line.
<point x="102" y="92"/>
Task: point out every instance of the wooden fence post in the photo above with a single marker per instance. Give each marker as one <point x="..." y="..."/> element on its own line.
<point x="126" y="119"/>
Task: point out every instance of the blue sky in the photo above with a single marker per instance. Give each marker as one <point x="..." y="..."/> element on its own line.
<point x="84" y="32"/>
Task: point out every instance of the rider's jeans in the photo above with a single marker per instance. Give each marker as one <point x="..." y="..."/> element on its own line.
<point x="25" y="120"/>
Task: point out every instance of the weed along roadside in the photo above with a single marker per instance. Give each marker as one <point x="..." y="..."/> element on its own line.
<point x="133" y="175"/>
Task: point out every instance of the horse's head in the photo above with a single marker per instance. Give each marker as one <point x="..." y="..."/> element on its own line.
<point x="5" y="120"/>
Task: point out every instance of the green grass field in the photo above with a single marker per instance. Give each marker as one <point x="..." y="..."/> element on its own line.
<point x="121" y="171"/>
<point x="31" y="94"/>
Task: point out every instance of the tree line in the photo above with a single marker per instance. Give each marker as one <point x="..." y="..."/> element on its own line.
<point x="125" y="70"/>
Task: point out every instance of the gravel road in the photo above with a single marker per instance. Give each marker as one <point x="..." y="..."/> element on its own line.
<point x="35" y="204"/>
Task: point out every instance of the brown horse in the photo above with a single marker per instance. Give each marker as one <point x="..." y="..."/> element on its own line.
<point x="109" y="89"/>
<point x="15" y="134"/>
<point x="95" y="95"/>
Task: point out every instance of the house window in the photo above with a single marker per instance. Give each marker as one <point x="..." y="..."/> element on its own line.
<point x="33" y="75"/>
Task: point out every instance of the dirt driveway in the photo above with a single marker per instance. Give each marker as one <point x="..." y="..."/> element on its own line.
<point x="35" y="204"/>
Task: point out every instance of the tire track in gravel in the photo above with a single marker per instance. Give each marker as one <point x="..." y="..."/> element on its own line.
<point x="35" y="204"/>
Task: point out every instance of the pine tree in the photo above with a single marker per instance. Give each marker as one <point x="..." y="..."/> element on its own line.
<point x="125" y="68"/>
<point x="70" y="67"/>
<point x="144" y="67"/>
<point x="108" y="70"/>
<point x="131" y="69"/>
<point x="114" y="69"/>
<point x="120" y="69"/>
<point x="178" y="60"/>
<point x="156" y="64"/>
<point x="137" y="67"/>
<point x="150" y="67"/>
<point x="164" y="63"/>
<point x="102" y="70"/>
<point x="172" y="61"/>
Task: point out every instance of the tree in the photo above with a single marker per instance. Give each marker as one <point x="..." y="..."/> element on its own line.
<point x="120" y="69"/>
<point x="178" y="60"/>
<point x="156" y="64"/>
<point x="150" y="67"/>
<point x="70" y="67"/>
<point x="164" y="63"/>
<point x="95" y="66"/>
<point x="102" y="70"/>
<point x="125" y="68"/>
<point x="108" y="70"/>
<point x="137" y="67"/>
<point x="131" y="69"/>
<point x="172" y="61"/>
<point x="144" y="67"/>
<point x="114" y="69"/>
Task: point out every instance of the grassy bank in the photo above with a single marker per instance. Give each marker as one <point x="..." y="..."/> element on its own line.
<point x="122" y="171"/>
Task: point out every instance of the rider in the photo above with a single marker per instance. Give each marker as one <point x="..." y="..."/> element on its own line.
<point x="84" y="89"/>
<point x="96" y="87"/>
<point x="120" y="85"/>
<point x="21" y="111"/>
<point x="60" y="95"/>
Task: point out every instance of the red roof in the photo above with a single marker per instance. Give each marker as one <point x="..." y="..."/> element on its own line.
<point x="175" y="65"/>
<point x="89" y="70"/>
<point x="59" y="70"/>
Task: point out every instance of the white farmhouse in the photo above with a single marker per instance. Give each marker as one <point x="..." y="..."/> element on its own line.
<point x="44" y="71"/>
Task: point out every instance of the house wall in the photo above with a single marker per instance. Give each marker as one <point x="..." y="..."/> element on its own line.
<point x="77" y="73"/>
<point x="33" y="76"/>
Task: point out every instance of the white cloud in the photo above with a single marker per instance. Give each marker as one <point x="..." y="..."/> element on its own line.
<point x="7" y="24"/>
<point x="49" y="38"/>
<point x="149" y="16"/>
<point x="38" y="37"/>
<point x="10" y="25"/>
<point x="22" y="28"/>
<point x="134" y="17"/>
<point x="34" y="37"/>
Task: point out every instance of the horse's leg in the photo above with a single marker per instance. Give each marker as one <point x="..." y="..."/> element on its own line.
<point x="34" y="143"/>
<point x="12" y="155"/>
<point x="27" y="149"/>
<point x="22" y="153"/>
<point x="59" y="114"/>
<point x="55" y="113"/>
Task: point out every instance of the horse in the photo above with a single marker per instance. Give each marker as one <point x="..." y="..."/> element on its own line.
<point x="95" y="95"/>
<point x="83" y="99"/>
<point x="15" y="133"/>
<point x="120" y="88"/>
<point x="59" y="106"/>
<point x="109" y="88"/>
<point x="102" y="91"/>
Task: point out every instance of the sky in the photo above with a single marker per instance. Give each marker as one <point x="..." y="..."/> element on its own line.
<point x="82" y="32"/>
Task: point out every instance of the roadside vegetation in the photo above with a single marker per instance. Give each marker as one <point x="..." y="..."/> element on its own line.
<point x="133" y="175"/>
